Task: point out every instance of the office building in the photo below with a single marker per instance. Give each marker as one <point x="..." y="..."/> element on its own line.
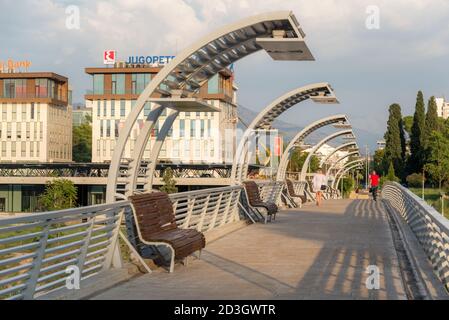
<point x="35" y="117"/>
<point x="442" y="108"/>
<point x="196" y="137"/>
<point x="80" y="114"/>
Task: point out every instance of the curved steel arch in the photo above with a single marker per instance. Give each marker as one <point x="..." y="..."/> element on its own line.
<point x="318" y="146"/>
<point x="341" y="159"/>
<point x="356" y="166"/>
<point x="178" y="81"/>
<point x="339" y="148"/>
<point x="355" y="162"/>
<point x="300" y="136"/>
<point x="318" y="92"/>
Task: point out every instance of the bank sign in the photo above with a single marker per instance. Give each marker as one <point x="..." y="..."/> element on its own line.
<point x="110" y="57"/>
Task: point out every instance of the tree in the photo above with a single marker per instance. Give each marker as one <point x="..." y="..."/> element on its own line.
<point x="59" y="194"/>
<point x="432" y="122"/>
<point x="408" y="124"/>
<point x="169" y="182"/>
<point x="297" y="161"/>
<point x="378" y="161"/>
<point x="82" y="141"/>
<point x="416" y="160"/>
<point x="438" y="158"/>
<point x="391" y="175"/>
<point x="395" y="140"/>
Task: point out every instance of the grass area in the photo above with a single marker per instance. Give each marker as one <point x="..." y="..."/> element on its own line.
<point x="433" y="198"/>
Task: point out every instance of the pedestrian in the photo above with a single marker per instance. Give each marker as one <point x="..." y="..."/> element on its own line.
<point x="319" y="184"/>
<point x="374" y="183"/>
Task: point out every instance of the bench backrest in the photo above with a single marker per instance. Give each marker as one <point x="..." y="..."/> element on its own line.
<point x="153" y="213"/>
<point x="290" y="188"/>
<point x="252" y="191"/>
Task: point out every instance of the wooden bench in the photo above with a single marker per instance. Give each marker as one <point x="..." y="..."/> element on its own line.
<point x="297" y="198"/>
<point x="255" y="202"/>
<point x="156" y="225"/>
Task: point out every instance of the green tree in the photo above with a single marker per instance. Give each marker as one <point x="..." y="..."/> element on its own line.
<point x="378" y="161"/>
<point x="59" y="194"/>
<point x="297" y="161"/>
<point x="82" y="141"/>
<point x="416" y="160"/>
<point x="391" y="175"/>
<point x="408" y="124"/>
<point x="395" y="140"/>
<point x="432" y="122"/>
<point x="438" y="158"/>
<point x="169" y="182"/>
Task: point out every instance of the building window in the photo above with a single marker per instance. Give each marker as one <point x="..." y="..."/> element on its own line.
<point x="23" y="149"/>
<point x="41" y="88"/>
<point x="182" y="128"/>
<point x="14" y="112"/>
<point x="122" y="108"/>
<point x="187" y="148"/>
<point x="193" y="128"/>
<point x="116" y="128"/>
<point x="32" y="149"/>
<point x="24" y="112"/>
<point x="28" y="130"/>
<point x="197" y="149"/>
<point x="19" y="131"/>
<point x="32" y="111"/>
<point x="213" y="84"/>
<point x="209" y="128"/>
<point x="14" y="88"/>
<point x="175" y="148"/>
<point x="3" y="148"/>
<point x="101" y="128"/>
<point x="13" y="149"/>
<point x="118" y="83"/>
<point x="212" y="149"/>
<point x="98" y="83"/>
<point x="8" y="130"/>
<point x="98" y="108"/>
<point x="104" y="109"/>
<point x="202" y="128"/>
<point x="146" y="109"/>
<point x="139" y="81"/>
<point x="108" y="128"/>
<point x="113" y="109"/>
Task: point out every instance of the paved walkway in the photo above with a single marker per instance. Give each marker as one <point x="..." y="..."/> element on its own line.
<point x="312" y="253"/>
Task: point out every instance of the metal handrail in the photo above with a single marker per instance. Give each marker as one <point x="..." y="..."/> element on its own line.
<point x="36" y="249"/>
<point x="430" y="227"/>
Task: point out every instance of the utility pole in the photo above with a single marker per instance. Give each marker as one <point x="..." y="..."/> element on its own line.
<point x="366" y="167"/>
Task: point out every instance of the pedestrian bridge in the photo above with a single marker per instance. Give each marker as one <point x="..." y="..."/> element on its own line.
<point x="395" y="248"/>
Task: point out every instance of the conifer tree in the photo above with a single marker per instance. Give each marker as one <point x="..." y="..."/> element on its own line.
<point x="395" y="141"/>
<point x="416" y="161"/>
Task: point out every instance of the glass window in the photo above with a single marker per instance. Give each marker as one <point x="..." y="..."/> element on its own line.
<point x="202" y="128"/>
<point x="193" y="128"/>
<point x="24" y="112"/>
<point x="118" y="83"/>
<point x="116" y="128"/>
<point x="187" y="148"/>
<point x="212" y="85"/>
<point x="9" y="86"/>
<point x="98" y="83"/>
<point x="101" y="128"/>
<point x="146" y="109"/>
<point x="112" y="108"/>
<point x="41" y="88"/>
<point x="209" y="128"/>
<point x="23" y="149"/>
<point x="19" y="131"/>
<point x="98" y="108"/>
<point x="182" y="126"/>
<point x="104" y="109"/>
<point x="32" y="111"/>
<point x="108" y="128"/>
<point x="3" y="148"/>
<point x="175" y="148"/>
<point x="122" y="108"/>
<point x="139" y="81"/>
<point x="13" y="149"/>
<point x="197" y="148"/>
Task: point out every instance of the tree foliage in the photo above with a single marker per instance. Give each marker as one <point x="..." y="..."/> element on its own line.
<point x="59" y="194"/>
<point x="82" y="141"/>
<point x="391" y="175"/>
<point x="298" y="159"/>
<point x="395" y="140"/>
<point x="169" y="182"/>
<point x="438" y="158"/>
<point x="416" y="160"/>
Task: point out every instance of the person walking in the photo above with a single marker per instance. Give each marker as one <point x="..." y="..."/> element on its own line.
<point x="374" y="183"/>
<point x="319" y="184"/>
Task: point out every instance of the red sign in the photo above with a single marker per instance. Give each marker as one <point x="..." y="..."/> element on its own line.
<point x="278" y="146"/>
<point x="109" y="57"/>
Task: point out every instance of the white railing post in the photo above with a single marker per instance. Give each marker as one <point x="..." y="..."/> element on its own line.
<point x="199" y="226"/>
<point x="216" y="210"/>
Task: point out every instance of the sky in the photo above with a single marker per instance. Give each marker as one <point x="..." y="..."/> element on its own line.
<point x="369" y="68"/>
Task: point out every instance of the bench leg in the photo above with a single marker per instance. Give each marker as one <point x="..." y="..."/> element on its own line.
<point x="172" y="259"/>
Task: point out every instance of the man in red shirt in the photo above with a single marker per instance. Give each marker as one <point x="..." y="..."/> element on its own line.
<point x="374" y="183"/>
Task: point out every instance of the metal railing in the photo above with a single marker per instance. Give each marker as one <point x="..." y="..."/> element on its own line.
<point x="206" y="209"/>
<point x="271" y="191"/>
<point x="35" y="250"/>
<point x="430" y="227"/>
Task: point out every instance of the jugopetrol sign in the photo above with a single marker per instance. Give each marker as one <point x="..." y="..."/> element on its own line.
<point x="149" y="59"/>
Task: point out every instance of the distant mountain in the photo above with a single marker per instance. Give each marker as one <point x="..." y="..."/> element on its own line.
<point x="289" y="130"/>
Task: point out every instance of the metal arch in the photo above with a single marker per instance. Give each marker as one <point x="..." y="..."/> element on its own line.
<point x="196" y="65"/>
<point x="265" y="118"/>
<point x="340" y="118"/>
<point x="356" y="166"/>
<point x="318" y="146"/>
<point x="346" y="166"/>
<point x="341" y="159"/>
<point x="339" y="148"/>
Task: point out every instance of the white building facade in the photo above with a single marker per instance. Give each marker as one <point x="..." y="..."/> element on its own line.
<point x="35" y="118"/>
<point x="196" y="137"/>
<point x="442" y="108"/>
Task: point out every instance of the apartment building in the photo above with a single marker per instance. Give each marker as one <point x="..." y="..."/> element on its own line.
<point x="442" y="108"/>
<point x="196" y="137"/>
<point x="35" y="117"/>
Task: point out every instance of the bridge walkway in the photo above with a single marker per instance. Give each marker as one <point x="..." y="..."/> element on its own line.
<point x="309" y="253"/>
